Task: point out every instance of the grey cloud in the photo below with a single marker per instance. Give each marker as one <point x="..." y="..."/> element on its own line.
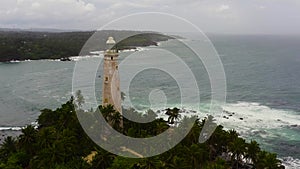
<point x="222" y="16"/>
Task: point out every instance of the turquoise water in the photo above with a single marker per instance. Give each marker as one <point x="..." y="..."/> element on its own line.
<point x="263" y="87"/>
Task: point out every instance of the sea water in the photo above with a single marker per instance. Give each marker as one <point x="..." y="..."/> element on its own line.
<point x="262" y="78"/>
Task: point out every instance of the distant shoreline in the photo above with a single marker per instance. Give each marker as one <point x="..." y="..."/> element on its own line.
<point x="22" y="45"/>
<point x="96" y="54"/>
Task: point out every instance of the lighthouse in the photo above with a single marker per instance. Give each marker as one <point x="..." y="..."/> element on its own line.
<point x="111" y="93"/>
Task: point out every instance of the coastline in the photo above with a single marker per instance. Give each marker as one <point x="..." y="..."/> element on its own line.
<point x="94" y="54"/>
<point x="63" y="45"/>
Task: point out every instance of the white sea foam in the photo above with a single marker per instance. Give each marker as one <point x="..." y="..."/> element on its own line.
<point x="128" y="50"/>
<point x="248" y="116"/>
<point x="18" y="61"/>
<point x="143" y="48"/>
<point x="12" y="128"/>
<point x="94" y="54"/>
<point x="51" y="60"/>
<point x="137" y="49"/>
<point x="15" y="61"/>
<point x="245" y="116"/>
<point x="97" y="52"/>
<point x="291" y="163"/>
<point x="18" y="128"/>
<point x="28" y="60"/>
<point x="77" y="58"/>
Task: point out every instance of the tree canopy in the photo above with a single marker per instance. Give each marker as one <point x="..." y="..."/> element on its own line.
<point x="60" y="143"/>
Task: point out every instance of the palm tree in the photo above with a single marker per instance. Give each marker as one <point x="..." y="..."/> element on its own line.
<point x="173" y="114"/>
<point x="113" y="117"/>
<point x="49" y="157"/>
<point x="238" y="148"/>
<point x="271" y="161"/>
<point x="8" y="147"/>
<point x="177" y="162"/>
<point x="46" y="136"/>
<point x="79" y="98"/>
<point x="106" y="111"/>
<point x="28" y="139"/>
<point x="148" y="163"/>
<point x="268" y="161"/>
<point x="218" y="142"/>
<point x="123" y="96"/>
<point x="150" y="114"/>
<point x="161" y="126"/>
<point x="198" y="155"/>
<point x="194" y="133"/>
<point x="252" y="151"/>
<point x="233" y="134"/>
<point x="102" y="159"/>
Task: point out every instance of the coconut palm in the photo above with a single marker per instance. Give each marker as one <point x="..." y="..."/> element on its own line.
<point x="173" y="114"/>
<point x="252" y="151"/>
<point x="49" y="157"/>
<point x="102" y="159"/>
<point x="197" y="154"/>
<point x="238" y="148"/>
<point x="123" y="96"/>
<point x="148" y="163"/>
<point x="268" y="161"/>
<point x="233" y="134"/>
<point x="106" y="111"/>
<point x="28" y="139"/>
<point x="161" y="126"/>
<point x="79" y="98"/>
<point x="46" y="137"/>
<point x="8" y="147"/>
<point x="113" y="117"/>
<point x="271" y="161"/>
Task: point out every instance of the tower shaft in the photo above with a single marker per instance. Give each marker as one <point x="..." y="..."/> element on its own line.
<point x="111" y="93"/>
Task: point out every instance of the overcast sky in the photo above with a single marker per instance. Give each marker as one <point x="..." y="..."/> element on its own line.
<point x="219" y="16"/>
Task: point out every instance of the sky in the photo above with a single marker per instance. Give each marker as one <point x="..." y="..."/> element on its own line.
<point x="216" y="16"/>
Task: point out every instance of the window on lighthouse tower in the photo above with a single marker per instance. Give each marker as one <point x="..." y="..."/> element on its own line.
<point x="111" y="58"/>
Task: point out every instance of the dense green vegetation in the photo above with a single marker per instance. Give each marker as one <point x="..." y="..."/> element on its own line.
<point x="40" y="45"/>
<point x="146" y="39"/>
<point x="22" y="45"/>
<point x="60" y="143"/>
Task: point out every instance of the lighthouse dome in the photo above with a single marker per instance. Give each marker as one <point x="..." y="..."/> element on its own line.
<point x="110" y="41"/>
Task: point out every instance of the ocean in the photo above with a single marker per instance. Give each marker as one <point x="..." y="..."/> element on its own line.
<point x="262" y="79"/>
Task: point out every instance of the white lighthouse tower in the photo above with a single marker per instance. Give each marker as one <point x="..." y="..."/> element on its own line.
<point x="111" y="93"/>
